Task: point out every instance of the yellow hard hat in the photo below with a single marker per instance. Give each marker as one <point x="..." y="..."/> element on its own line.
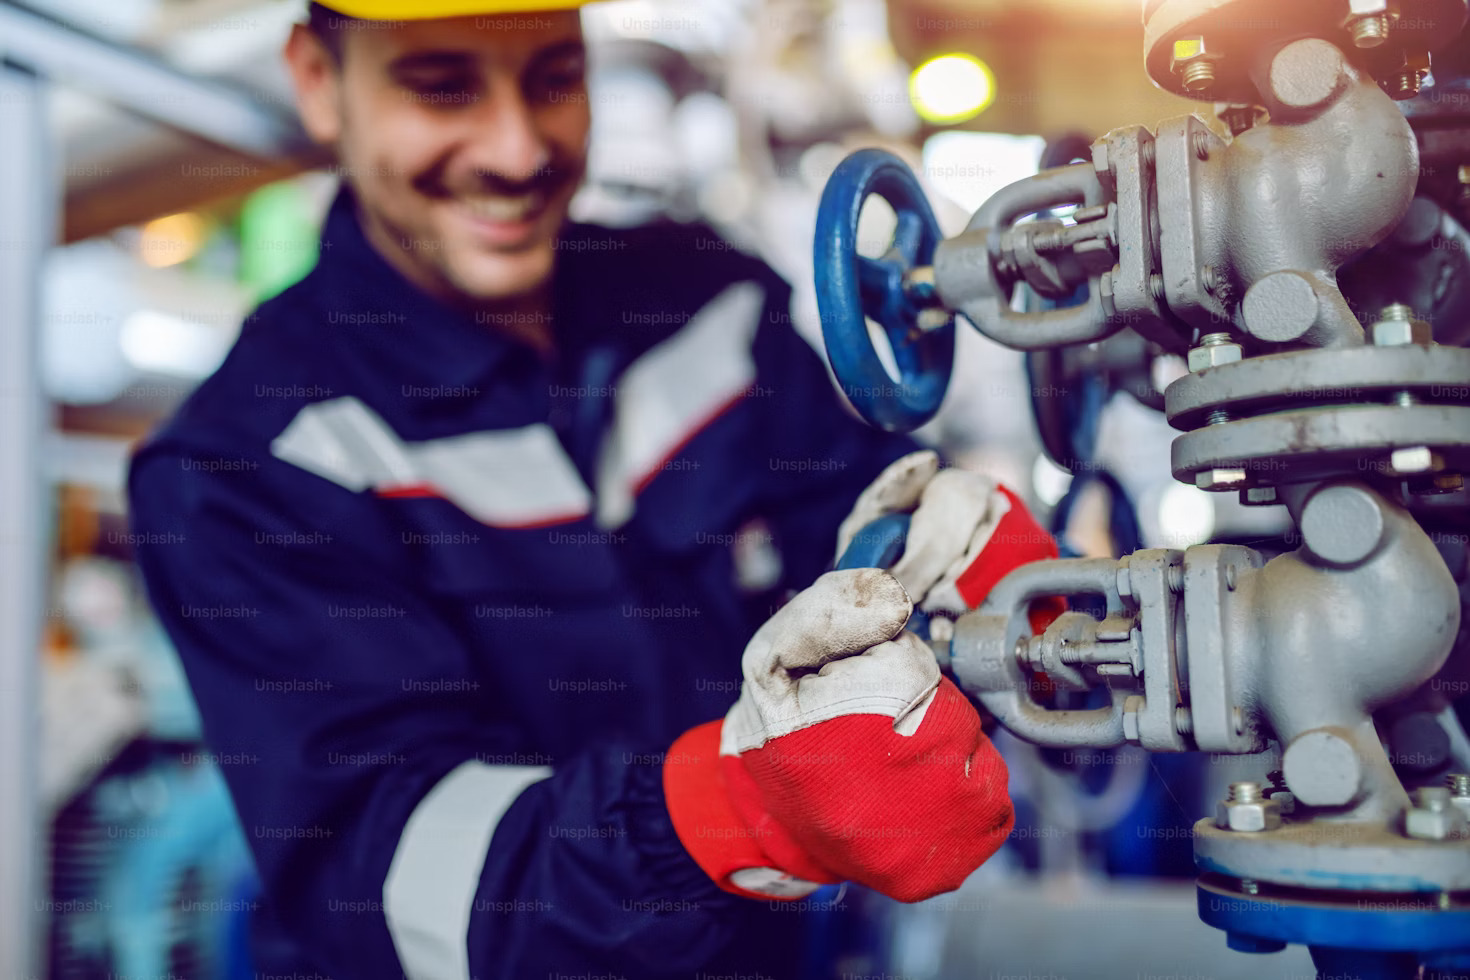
<point x="435" y="9"/>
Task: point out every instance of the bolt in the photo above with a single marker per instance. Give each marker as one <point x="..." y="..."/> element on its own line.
<point x="1433" y="815"/>
<point x="1201" y="143"/>
<point x="1245" y="811"/>
<point x="1214" y="350"/>
<point x="1218" y="417"/>
<point x="1459" y="785"/>
<point x="1369" y="31"/>
<point x="1249" y="886"/>
<point x="1156" y="287"/>
<point x="1406" y="84"/>
<point x="1199" y="76"/>
<point x="1207" y="276"/>
<point x="1183" y="720"/>
<point x="1195" y="65"/>
<point x="1258" y="496"/>
<point x="1244" y="792"/>
<point x="1397" y="327"/>
<point x="1405" y="399"/>
<point x="1239" y="118"/>
<point x="1403" y="80"/>
<point x="1175" y="577"/>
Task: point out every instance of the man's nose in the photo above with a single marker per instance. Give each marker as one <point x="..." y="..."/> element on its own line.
<point x="505" y="142"/>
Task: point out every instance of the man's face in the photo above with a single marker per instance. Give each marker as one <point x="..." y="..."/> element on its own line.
<point x="465" y="140"/>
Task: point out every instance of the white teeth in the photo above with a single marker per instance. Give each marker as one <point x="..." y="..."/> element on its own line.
<point x="507" y="209"/>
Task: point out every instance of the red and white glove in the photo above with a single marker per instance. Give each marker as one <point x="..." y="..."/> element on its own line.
<point x="848" y="757"/>
<point x="967" y="533"/>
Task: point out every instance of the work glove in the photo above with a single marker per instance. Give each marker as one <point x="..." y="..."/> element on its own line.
<point x="967" y="533"/>
<point x="848" y="757"/>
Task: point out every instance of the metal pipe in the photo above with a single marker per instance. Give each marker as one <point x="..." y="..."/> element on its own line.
<point x="28" y="195"/>
<point x="212" y="111"/>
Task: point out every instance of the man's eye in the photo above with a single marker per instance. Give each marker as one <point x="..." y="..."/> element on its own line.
<point x="561" y="77"/>
<point x="454" y="90"/>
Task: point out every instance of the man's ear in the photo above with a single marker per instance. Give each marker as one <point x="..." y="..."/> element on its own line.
<point x="316" y="76"/>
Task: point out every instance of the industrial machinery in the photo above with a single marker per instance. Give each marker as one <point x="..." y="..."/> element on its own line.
<point x="1222" y="241"/>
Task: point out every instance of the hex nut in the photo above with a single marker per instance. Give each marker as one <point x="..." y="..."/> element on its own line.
<point x="1132" y="705"/>
<point x="1213" y="355"/>
<point x="1187" y="51"/>
<point x="1250" y="817"/>
<point x="1194" y="63"/>
<point x="1220" y="479"/>
<point x="1400" y="333"/>
<point x="1422" y="824"/>
<point x="1415" y="459"/>
<point x="1125" y="579"/>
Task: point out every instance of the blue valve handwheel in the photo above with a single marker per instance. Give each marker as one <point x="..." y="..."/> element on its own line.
<point x="880" y="545"/>
<point x="852" y="288"/>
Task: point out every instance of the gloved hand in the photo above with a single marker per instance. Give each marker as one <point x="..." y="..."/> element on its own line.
<point x="847" y="757"/>
<point x="967" y="533"/>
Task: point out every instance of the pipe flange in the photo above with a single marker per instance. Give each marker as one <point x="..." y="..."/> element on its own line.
<point x="1415" y="442"/>
<point x="1314" y="378"/>
<point x="1360" y="857"/>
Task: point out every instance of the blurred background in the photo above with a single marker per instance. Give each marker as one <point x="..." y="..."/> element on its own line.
<point x="162" y="150"/>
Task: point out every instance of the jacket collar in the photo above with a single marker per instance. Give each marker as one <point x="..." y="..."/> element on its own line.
<point x="406" y="332"/>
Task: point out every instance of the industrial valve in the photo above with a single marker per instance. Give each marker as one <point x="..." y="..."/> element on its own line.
<point x="1225" y="249"/>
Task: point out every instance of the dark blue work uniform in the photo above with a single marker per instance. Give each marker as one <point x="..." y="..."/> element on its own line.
<point x="444" y="606"/>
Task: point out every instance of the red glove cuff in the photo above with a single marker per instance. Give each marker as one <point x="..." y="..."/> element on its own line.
<point x="706" y="821"/>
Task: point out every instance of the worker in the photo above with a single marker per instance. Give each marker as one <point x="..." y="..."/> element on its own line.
<point x="480" y="530"/>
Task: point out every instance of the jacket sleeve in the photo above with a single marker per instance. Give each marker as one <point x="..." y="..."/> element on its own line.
<point x="393" y="819"/>
<point x="819" y="454"/>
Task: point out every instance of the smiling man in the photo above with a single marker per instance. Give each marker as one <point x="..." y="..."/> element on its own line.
<point x="462" y="544"/>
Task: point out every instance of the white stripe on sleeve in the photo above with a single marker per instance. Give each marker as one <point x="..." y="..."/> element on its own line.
<point x="430" y="889"/>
